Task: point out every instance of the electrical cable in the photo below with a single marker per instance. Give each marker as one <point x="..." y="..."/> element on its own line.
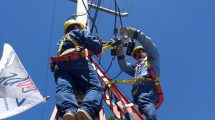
<point x="115" y="20"/>
<point x="110" y="64"/>
<point x="98" y="17"/>
<point x="50" y="41"/>
<point x="90" y="17"/>
<point x="93" y="21"/>
<point x="115" y="33"/>
<point x="120" y="17"/>
<point x="95" y="15"/>
<point x="117" y="75"/>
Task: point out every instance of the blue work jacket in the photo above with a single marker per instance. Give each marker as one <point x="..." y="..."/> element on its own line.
<point x="84" y="39"/>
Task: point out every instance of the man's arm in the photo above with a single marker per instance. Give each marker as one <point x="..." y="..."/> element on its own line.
<point x="89" y="41"/>
<point x="123" y="64"/>
<point x="145" y="41"/>
<point x="148" y="44"/>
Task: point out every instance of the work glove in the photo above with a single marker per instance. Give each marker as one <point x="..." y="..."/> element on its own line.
<point x="119" y="48"/>
<point x="127" y="32"/>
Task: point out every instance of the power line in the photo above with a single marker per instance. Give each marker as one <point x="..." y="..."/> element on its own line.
<point x="90" y="16"/>
<point x="95" y="16"/>
<point x="49" y="53"/>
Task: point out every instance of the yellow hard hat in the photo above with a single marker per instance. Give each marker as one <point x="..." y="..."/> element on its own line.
<point x="136" y="49"/>
<point x="72" y="22"/>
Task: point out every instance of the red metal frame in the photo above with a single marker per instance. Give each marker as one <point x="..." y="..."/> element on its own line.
<point x="123" y="103"/>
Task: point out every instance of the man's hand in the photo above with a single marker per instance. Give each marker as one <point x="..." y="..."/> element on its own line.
<point x="119" y="48"/>
<point x="127" y="32"/>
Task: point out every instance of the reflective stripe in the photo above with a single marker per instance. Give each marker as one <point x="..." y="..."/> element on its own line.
<point x="67" y="36"/>
<point x="72" y="39"/>
<point x="106" y="46"/>
<point x="129" y="81"/>
<point x="151" y="71"/>
<point x="60" y="46"/>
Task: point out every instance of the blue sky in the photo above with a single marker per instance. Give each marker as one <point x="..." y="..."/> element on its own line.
<point x="183" y="30"/>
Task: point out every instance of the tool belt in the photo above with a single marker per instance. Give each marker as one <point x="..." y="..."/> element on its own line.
<point x="69" y="55"/>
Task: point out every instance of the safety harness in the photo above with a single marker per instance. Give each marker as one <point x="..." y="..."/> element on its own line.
<point x="67" y="36"/>
<point x="138" y="80"/>
<point x="156" y="81"/>
<point x="70" y="54"/>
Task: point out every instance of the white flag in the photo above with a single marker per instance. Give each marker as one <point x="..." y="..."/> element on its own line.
<point x="17" y="90"/>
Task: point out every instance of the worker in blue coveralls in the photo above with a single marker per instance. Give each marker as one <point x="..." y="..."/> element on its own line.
<point x="144" y="93"/>
<point x="75" y="71"/>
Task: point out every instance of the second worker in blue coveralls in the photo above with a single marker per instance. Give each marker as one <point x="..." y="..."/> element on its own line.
<point x="77" y="73"/>
<point x="145" y="94"/>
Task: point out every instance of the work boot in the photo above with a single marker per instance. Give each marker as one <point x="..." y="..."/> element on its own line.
<point x="69" y="116"/>
<point x="83" y="115"/>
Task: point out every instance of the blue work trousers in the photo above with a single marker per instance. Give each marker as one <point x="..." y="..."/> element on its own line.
<point x="77" y="74"/>
<point x="145" y="98"/>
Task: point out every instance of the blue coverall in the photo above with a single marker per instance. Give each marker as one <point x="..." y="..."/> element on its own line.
<point x="70" y="75"/>
<point x="146" y="95"/>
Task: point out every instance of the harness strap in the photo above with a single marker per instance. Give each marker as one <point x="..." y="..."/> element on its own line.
<point x="68" y="57"/>
<point x="60" y="46"/>
<point x="157" y="83"/>
<point x="67" y="36"/>
<point x="69" y="54"/>
<point x="77" y="46"/>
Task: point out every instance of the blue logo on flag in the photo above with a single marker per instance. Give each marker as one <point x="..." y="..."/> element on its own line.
<point x="20" y="102"/>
